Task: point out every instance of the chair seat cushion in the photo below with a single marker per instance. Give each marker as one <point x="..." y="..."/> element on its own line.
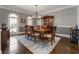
<point x="29" y="32"/>
<point x="36" y="34"/>
<point x="48" y="35"/>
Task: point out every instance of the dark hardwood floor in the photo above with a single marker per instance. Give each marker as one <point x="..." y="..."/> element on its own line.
<point x="63" y="47"/>
<point x="66" y="47"/>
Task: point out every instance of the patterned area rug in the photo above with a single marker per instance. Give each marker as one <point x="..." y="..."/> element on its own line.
<point x="37" y="47"/>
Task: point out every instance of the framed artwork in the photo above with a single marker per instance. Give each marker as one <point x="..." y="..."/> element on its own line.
<point x="23" y="20"/>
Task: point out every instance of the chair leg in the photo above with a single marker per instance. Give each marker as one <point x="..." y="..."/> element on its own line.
<point x="54" y="40"/>
<point x="31" y="37"/>
<point x="42" y="39"/>
<point x="51" y="42"/>
<point x="34" y="38"/>
<point x="25" y="36"/>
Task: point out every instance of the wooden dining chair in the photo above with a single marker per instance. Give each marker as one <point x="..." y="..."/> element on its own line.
<point x="36" y="35"/>
<point x="50" y="36"/>
<point x="31" y="32"/>
<point x="26" y="30"/>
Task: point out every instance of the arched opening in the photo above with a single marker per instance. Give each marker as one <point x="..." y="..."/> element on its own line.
<point x="13" y="22"/>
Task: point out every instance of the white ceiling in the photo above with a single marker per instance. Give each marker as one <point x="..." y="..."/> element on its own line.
<point x="31" y="9"/>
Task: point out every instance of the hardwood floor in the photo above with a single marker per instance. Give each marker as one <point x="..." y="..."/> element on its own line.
<point x="63" y="47"/>
<point x="66" y="47"/>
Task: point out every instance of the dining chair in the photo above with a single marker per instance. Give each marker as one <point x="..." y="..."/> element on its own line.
<point x="26" y="31"/>
<point x="31" y="32"/>
<point x="37" y="35"/>
<point x="50" y="36"/>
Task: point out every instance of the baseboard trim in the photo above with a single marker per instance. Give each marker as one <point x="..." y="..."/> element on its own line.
<point x="63" y="35"/>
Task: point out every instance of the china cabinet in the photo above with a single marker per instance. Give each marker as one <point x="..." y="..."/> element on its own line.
<point x="48" y="20"/>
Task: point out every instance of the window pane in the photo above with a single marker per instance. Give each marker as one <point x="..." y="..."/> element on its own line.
<point x="39" y="22"/>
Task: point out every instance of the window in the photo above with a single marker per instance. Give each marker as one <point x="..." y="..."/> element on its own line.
<point x="29" y="21"/>
<point x="13" y="22"/>
<point x="39" y="22"/>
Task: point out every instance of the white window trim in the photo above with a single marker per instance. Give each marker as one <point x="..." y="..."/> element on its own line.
<point x="13" y="17"/>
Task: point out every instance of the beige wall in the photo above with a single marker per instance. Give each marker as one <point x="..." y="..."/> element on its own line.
<point x="65" y="18"/>
<point x="4" y="16"/>
<point x="78" y="17"/>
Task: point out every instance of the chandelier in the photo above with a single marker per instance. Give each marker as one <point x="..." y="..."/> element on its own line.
<point x="36" y="14"/>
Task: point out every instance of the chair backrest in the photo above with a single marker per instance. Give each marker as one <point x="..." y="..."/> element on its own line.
<point x="53" y="30"/>
<point x="49" y="27"/>
<point x="32" y="29"/>
<point x="25" y="27"/>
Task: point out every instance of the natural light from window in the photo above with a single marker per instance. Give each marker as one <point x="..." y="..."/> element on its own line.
<point x="13" y="22"/>
<point x="29" y="21"/>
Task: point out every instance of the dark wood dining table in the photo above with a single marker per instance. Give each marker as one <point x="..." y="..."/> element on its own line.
<point x="42" y="32"/>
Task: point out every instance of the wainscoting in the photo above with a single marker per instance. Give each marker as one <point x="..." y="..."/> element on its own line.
<point x="63" y="30"/>
<point x="21" y="29"/>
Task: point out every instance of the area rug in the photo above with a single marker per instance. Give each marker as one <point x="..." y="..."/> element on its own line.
<point x="37" y="47"/>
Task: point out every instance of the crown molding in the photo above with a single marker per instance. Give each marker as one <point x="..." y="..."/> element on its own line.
<point x="59" y="9"/>
<point x="43" y="13"/>
<point x="13" y="10"/>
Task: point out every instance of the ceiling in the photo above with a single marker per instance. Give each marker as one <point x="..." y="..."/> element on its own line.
<point x="31" y="9"/>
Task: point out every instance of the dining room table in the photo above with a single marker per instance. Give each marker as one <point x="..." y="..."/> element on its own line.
<point x="42" y="31"/>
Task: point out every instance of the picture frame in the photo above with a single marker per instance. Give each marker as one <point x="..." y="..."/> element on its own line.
<point x="23" y="20"/>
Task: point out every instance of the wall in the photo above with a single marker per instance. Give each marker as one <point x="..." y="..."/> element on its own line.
<point x="0" y="39"/>
<point x="65" y="19"/>
<point x="78" y="17"/>
<point x="4" y="17"/>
